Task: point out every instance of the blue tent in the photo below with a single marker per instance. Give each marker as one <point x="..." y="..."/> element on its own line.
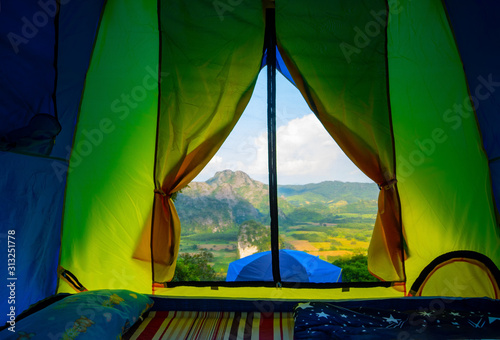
<point x="295" y="266"/>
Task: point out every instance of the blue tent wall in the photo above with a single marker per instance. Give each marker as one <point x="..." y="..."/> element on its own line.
<point x="477" y="33"/>
<point x="27" y="73"/>
<point x="30" y="197"/>
<point x="32" y="185"/>
<point x="78" y="22"/>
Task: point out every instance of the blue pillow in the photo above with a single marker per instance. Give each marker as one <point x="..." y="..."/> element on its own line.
<point x="99" y="314"/>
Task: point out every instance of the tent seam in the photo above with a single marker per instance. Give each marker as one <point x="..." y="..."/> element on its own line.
<point x="389" y="111"/>
<point x="75" y="130"/>
<point x="160" y="53"/>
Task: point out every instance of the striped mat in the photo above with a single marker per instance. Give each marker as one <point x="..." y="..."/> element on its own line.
<point x="214" y="325"/>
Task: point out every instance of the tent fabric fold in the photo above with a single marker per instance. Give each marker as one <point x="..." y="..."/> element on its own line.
<point x="35" y="138"/>
<point x="209" y="65"/>
<point x="348" y="93"/>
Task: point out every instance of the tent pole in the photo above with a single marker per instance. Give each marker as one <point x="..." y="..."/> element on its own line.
<point x="270" y="43"/>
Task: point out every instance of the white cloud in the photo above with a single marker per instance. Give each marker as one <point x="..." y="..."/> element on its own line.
<point x="306" y="154"/>
<point x="305" y="148"/>
<point x="300" y="144"/>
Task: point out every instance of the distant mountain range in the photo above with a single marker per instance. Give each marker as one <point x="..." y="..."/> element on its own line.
<point x="231" y="197"/>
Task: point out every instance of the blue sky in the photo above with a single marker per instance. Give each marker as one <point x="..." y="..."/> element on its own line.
<point x="306" y="153"/>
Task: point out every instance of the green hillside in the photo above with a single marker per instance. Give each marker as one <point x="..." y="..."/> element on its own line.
<point x="231" y="197"/>
<point x="329" y="191"/>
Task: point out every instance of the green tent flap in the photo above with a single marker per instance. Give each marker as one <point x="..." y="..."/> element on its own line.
<point x="110" y="191"/>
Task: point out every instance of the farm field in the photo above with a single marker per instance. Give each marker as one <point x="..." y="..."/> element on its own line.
<point x="329" y="241"/>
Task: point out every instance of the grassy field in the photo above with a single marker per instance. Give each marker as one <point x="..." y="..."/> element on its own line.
<point x="334" y="241"/>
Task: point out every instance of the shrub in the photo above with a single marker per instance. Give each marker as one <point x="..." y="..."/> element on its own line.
<point x="354" y="268"/>
<point x="335" y="243"/>
<point x="360" y="237"/>
<point x="194" y="267"/>
<point x="310" y="236"/>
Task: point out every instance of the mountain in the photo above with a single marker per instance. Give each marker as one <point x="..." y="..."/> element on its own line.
<point x="224" y="201"/>
<point x="242" y="186"/>
<point x="230" y="198"/>
<point x="329" y="191"/>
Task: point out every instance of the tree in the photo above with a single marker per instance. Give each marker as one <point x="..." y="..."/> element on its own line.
<point x="255" y="234"/>
<point x="194" y="267"/>
<point x="355" y="269"/>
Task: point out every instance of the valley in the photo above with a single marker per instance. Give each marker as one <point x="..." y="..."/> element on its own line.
<point x="228" y="216"/>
